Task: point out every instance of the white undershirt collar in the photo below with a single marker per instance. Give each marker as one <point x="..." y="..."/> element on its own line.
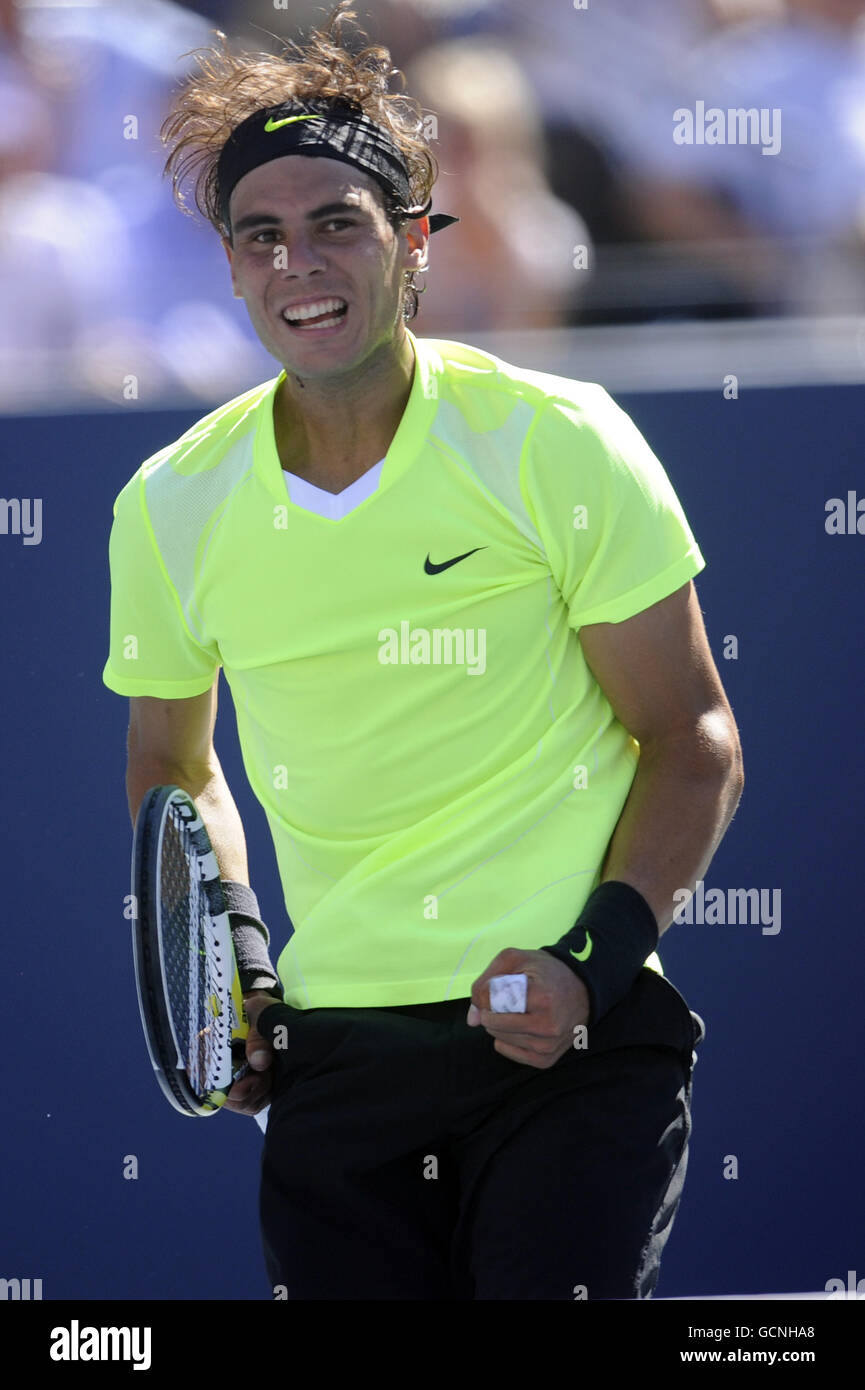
<point x="330" y="504"/>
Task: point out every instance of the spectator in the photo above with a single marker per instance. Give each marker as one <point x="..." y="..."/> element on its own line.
<point x="512" y="263"/>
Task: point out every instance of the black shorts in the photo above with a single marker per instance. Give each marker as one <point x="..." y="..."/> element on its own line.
<point x="406" y="1159"/>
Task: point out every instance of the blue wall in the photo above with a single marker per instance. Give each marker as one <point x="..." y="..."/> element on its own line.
<point x="779" y="1080"/>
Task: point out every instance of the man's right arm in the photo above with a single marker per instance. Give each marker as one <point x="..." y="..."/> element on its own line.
<point x="171" y="742"/>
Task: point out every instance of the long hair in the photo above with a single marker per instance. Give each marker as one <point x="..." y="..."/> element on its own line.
<point x="229" y="87"/>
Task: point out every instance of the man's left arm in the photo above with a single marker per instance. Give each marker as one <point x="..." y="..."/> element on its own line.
<point x="657" y="672"/>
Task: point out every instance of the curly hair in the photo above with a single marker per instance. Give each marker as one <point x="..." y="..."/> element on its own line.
<point x="230" y="87"/>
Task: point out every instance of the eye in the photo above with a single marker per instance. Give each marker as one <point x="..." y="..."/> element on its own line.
<point x="339" y="222"/>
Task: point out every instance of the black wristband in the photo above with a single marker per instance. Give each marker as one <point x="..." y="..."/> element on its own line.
<point x="250" y="939"/>
<point x="609" y="943"/>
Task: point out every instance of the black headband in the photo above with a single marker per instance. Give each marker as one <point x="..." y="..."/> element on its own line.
<point x="335" y="128"/>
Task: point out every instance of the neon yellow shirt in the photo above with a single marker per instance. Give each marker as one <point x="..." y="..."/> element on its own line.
<point x="440" y="771"/>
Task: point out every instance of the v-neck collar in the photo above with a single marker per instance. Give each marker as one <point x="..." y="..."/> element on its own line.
<point x="407" y="442"/>
<point x="333" y="505"/>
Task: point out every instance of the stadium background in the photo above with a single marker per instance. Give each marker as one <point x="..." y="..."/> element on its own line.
<point x="739" y="353"/>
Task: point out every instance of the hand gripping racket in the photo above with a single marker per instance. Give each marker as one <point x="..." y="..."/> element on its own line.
<point x="188" y="985"/>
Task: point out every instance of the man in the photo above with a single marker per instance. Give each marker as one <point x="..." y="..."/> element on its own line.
<point x="453" y="602"/>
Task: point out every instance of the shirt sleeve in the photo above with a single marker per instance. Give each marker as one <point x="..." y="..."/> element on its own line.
<point x="615" y="535"/>
<point x="151" y="650"/>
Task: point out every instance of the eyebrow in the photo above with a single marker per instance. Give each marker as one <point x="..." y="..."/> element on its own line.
<point x="268" y="219"/>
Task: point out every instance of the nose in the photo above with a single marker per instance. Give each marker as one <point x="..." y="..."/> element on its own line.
<point x="297" y="254"/>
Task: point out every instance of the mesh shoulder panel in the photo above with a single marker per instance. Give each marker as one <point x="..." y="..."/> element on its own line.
<point x="186" y="484"/>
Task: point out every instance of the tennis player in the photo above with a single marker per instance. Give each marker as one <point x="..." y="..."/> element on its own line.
<point x="453" y="601"/>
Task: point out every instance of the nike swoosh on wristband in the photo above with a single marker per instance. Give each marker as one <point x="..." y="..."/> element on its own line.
<point x="430" y="568"/>
<point x="586" y="951"/>
<point x="271" y="124"/>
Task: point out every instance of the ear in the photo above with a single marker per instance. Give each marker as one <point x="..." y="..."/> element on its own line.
<point x="417" y="235"/>
<point x="230" y="254"/>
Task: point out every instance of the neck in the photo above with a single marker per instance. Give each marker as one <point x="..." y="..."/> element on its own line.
<point x="332" y="430"/>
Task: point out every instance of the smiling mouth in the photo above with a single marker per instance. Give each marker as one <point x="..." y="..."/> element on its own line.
<point x="323" y="313"/>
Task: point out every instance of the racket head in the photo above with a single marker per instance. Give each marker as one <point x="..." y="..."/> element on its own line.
<point x="189" y="992"/>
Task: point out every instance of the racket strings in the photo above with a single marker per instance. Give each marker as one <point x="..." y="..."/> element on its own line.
<point x="197" y="972"/>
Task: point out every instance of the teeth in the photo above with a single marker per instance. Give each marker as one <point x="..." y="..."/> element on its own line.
<point x="308" y="311"/>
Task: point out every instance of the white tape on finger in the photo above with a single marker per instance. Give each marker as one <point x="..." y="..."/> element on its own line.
<point x="508" y="994"/>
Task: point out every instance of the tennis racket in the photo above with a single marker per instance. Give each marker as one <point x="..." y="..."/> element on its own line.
<point x="188" y="985"/>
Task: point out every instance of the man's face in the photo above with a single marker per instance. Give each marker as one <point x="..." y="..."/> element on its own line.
<point x="309" y="231"/>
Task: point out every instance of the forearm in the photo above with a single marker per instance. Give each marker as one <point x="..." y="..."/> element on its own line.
<point x="209" y="790"/>
<point x="681" y="801"/>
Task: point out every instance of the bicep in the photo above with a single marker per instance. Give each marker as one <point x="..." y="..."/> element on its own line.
<point x="176" y="733"/>
<point x="657" y="671"/>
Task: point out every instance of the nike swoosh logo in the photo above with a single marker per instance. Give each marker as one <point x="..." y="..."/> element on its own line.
<point x="271" y="124"/>
<point x="430" y="568"/>
<point x="586" y="951"/>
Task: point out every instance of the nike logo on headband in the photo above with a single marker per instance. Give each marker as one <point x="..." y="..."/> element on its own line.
<point x="271" y="124"/>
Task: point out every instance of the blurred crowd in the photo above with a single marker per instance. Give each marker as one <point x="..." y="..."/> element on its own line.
<point x="575" y="141"/>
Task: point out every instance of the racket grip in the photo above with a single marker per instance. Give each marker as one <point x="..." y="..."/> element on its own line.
<point x="239" y="1065"/>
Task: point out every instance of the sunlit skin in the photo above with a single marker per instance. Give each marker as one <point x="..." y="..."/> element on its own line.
<point x="345" y="391"/>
